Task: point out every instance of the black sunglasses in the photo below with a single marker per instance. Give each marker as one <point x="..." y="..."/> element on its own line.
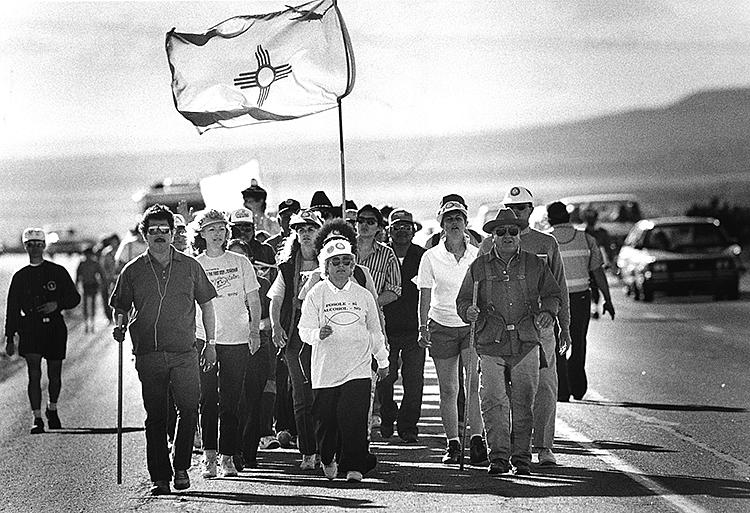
<point x="158" y="230"/>
<point x="340" y="261"/>
<point x="369" y="220"/>
<point x="510" y="230"/>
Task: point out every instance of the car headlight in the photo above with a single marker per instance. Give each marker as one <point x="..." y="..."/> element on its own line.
<point x="723" y="264"/>
<point x="659" y="267"/>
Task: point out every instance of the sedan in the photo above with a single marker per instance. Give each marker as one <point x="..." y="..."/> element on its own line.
<point x="680" y="255"/>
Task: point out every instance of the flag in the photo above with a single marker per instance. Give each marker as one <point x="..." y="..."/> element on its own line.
<point x="266" y="67"/>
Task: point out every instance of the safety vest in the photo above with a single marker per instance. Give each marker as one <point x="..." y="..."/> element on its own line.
<point x="576" y="255"/>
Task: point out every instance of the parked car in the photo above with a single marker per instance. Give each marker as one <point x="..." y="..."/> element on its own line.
<point x="66" y="240"/>
<point x="617" y="213"/>
<point x="680" y="255"/>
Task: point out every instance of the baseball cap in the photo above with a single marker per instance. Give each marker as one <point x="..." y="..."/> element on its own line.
<point x="289" y="204"/>
<point x="306" y="217"/>
<point x="370" y="208"/>
<point x="33" y="234"/>
<point x="241" y="216"/>
<point x="335" y="247"/>
<point x="518" y="195"/>
<point x="557" y="213"/>
<point x="208" y="217"/>
<point x="400" y="215"/>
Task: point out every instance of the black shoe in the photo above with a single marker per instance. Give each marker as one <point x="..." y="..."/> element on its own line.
<point x="522" y="470"/>
<point x="477" y="451"/>
<point x="499" y="467"/>
<point x="239" y="462"/>
<point x="160" y="488"/>
<point x="386" y="429"/>
<point x="38" y="426"/>
<point x="452" y="453"/>
<point x="181" y="480"/>
<point x="371" y="461"/>
<point x="595" y="315"/>
<point x="409" y="438"/>
<point x="52" y="419"/>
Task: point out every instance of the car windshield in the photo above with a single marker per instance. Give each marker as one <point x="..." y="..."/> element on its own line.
<point x="616" y="211"/>
<point x="685" y="237"/>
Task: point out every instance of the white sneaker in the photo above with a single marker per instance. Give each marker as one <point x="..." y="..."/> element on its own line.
<point x="197" y="441"/>
<point x="331" y="470"/>
<point x="375" y="421"/>
<point x="547" y="457"/>
<point x="353" y="476"/>
<point x="268" y="442"/>
<point x="226" y="467"/>
<point x="308" y="462"/>
<point x="208" y="464"/>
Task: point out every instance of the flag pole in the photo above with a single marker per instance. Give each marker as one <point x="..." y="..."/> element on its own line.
<point x="341" y="153"/>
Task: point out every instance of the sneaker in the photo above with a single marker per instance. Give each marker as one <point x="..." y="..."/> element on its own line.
<point x="197" y="442"/>
<point x="160" y="488"/>
<point x="226" y="466"/>
<point x="522" y="469"/>
<point x="353" y="476"/>
<point x="386" y="429"/>
<point x="38" y="426"/>
<point x="269" y="442"/>
<point x="499" y="467"/>
<point x="452" y="453"/>
<point x="371" y="461"/>
<point x="331" y="470"/>
<point x="239" y="462"/>
<point x="53" y="421"/>
<point x="477" y="451"/>
<point x="308" y="462"/>
<point x="181" y="480"/>
<point x="547" y="457"/>
<point x="208" y="465"/>
<point x="286" y="440"/>
<point x="375" y="421"/>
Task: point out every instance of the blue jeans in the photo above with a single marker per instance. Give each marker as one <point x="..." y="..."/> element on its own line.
<point x="405" y="348"/>
<point x="158" y="371"/>
<point x="498" y="398"/>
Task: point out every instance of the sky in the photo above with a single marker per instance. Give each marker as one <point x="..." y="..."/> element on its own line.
<point x="92" y="77"/>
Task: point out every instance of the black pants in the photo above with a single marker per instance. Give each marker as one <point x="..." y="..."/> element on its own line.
<point x="571" y="372"/>
<point x="340" y="415"/>
<point x="405" y="348"/>
<point x="256" y="375"/>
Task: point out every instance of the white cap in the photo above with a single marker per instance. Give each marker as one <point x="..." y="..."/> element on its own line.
<point x="179" y="220"/>
<point x="451" y="206"/>
<point x="32" y="234"/>
<point x="242" y="215"/>
<point x="518" y="195"/>
<point x="334" y="247"/>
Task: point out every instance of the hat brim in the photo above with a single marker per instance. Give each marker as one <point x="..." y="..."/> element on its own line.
<point x="490" y="226"/>
<point x="209" y="223"/>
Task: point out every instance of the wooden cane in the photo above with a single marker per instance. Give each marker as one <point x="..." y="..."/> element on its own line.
<point x="120" y="322"/>
<point x="469" y="370"/>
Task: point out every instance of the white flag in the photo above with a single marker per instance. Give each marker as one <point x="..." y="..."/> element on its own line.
<point x="265" y="67"/>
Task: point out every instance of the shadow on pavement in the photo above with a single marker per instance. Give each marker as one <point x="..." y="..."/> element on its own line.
<point x="94" y="430"/>
<point x="283" y="500"/>
<point x="666" y="407"/>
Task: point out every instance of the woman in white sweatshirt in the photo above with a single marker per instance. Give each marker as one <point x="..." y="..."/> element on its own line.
<point x="340" y="320"/>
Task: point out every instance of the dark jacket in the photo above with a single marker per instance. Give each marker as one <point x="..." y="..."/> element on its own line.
<point x="401" y="315"/>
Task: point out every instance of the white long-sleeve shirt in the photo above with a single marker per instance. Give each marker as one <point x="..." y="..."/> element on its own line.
<point x="346" y="354"/>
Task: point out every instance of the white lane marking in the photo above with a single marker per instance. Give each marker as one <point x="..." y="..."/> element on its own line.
<point x="678" y="502"/>
<point x="712" y="329"/>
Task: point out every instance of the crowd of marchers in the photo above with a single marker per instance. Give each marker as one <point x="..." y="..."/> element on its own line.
<point x="251" y="332"/>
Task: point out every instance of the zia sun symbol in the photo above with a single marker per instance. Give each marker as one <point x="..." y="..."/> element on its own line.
<point x="264" y="76"/>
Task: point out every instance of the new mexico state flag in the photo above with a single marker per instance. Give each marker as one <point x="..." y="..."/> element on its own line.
<point x="265" y="67"/>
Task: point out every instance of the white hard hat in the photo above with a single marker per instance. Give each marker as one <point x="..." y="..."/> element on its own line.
<point x="32" y="234"/>
<point x="518" y="195"/>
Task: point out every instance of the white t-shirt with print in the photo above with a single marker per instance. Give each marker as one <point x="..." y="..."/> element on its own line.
<point x="233" y="277"/>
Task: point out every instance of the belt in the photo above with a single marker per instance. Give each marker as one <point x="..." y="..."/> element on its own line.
<point x="508" y="327"/>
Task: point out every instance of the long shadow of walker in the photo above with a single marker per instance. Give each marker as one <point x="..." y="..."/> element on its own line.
<point x="95" y="430"/>
<point x="666" y="407"/>
<point x="284" y="500"/>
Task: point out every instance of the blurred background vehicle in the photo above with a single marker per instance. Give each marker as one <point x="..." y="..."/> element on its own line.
<point x="680" y="255"/>
<point x="617" y="213"/>
<point x="487" y="212"/>
<point x="66" y="240"/>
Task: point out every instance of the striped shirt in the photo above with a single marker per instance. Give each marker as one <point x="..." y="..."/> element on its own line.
<point x="383" y="265"/>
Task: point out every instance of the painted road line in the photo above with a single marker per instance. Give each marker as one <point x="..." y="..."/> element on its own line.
<point x="678" y="502"/>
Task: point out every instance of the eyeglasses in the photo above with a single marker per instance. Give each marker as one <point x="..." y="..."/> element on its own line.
<point x="345" y="261"/>
<point x="158" y="230"/>
<point x="402" y="227"/>
<point x="305" y="228"/>
<point x="369" y="220"/>
<point x="510" y="230"/>
<point x="34" y="244"/>
<point x="520" y="207"/>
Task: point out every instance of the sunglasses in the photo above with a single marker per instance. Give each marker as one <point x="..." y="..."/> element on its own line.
<point x="340" y="261"/>
<point x="305" y="228"/>
<point x="34" y="244"/>
<point x="519" y="207"/>
<point x="158" y="230"/>
<point x="510" y="230"/>
<point x="245" y="227"/>
<point x="402" y="227"/>
<point x="369" y="220"/>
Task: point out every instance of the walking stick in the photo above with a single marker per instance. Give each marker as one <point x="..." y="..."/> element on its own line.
<point x="120" y="321"/>
<point x="469" y="368"/>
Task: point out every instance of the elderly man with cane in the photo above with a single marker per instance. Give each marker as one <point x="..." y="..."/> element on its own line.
<point x="162" y="286"/>
<point x="517" y="301"/>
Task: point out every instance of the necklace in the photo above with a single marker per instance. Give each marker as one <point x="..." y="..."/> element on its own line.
<point x="162" y="295"/>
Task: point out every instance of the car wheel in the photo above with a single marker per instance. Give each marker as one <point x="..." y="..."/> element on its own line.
<point x="648" y="293"/>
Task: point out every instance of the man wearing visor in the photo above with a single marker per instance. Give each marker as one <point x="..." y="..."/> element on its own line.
<point x="517" y="302"/>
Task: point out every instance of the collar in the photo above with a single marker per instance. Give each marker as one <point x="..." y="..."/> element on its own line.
<point x="494" y="253"/>
<point x="335" y="289"/>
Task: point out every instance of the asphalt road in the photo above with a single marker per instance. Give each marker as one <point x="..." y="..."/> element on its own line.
<point x="665" y="427"/>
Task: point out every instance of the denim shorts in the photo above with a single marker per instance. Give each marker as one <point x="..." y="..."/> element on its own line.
<point x="447" y="341"/>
